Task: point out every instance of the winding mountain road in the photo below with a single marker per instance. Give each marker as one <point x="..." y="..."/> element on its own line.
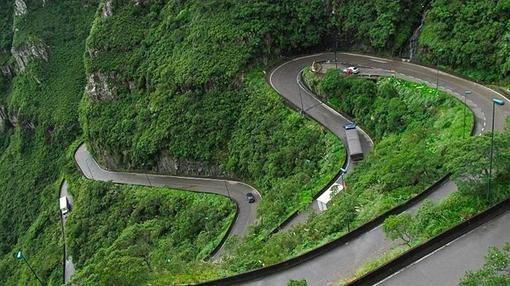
<point x="344" y="260"/>
<point x="326" y="269"/>
<point x="247" y="212"/>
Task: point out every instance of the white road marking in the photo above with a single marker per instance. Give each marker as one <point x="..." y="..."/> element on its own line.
<point x="379" y="61"/>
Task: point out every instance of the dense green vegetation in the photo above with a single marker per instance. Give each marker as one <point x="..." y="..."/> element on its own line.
<point x="6" y="13"/>
<point x="5" y="44"/>
<point x="297" y="283"/>
<point x="382" y="26"/>
<point x="143" y="235"/>
<point x="495" y="271"/>
<point x="468" y="161"/>
<point x="406" y="160"/>
<point x="187" y="81"/>
<point x="201" y="103"/>
<point x="472" y="37"/>
<point x="47" y="97"/>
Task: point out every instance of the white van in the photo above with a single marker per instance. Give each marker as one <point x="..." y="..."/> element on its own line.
<point x="64" y="205"/>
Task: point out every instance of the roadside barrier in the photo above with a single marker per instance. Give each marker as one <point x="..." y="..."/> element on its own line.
<point x="348" y="237"/>
<point x="361" y="230"/>
<point x="431" y="245"/>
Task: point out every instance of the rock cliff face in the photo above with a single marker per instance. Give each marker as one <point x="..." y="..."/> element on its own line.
<point x="7" y="71"/>
<point x="3" y="114"/>
<point x="101" y="87"/>
<point x="184" y="167"/>
<point x="166" y="164"/>
<point x="28" y="52"/>
<point x="11" y="118"/>
<point x="107" y="9"/>
<point x="20" y="8"/>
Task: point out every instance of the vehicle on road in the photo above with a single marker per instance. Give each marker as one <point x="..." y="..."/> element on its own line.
<point x="350" y="126"/>
<point x="64" y="205"/>
<point x="250" y="197"/>
<point x="351" y="70"/>
<point x="353" y="142"/>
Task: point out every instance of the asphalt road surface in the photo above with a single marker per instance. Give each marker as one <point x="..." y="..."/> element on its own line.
<point x="343" y="261"/>
<point x="235" y="190"/>
<point x="69" y="265"/>
<point x="448" y="265"/>
<point x="327" y="269"/>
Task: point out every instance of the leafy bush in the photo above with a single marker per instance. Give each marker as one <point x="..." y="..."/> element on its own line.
<point x="404" y="162"/>
<point x="467" y="160"/>
<point x="469" y="36"/>
<point x="31" y="159"/>
<point x="495" y="271"/>
<point x="142" y="233"/>
<point x="383" y="26"/>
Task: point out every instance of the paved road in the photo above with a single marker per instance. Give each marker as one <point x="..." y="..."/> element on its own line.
<point x="235" y="190"/>
<point x="328" y="269"/>
<point x="69" y="265"/>
<point x="431" y="269"/>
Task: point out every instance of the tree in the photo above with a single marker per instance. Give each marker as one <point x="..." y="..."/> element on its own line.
<point x="468" y="159"/>
<point x="495" y="271"/>
<point x="398" y="227"/>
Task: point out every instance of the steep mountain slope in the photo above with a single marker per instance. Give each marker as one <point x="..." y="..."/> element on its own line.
<point x="172" y="88"/>
<point x="41" y="108"/>
<point x="178" y="87"/>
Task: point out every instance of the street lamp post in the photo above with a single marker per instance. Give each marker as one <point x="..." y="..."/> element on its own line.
<point x="466" y="93"/>
<point x="20" y="256"/>
<point x="437" y="80"/>
<point x="336" y="40"/>
<point x="301" y="100"/>
<point x="226" y="187"/>
<point x="495" y="102"/>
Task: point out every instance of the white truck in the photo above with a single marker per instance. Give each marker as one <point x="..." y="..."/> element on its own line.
<point x="64" y="205"/>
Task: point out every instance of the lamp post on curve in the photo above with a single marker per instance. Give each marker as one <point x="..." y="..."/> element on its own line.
<point x="302" y="111"/>
<point x="437" y="80"/>
<point x="226" y="187"/>
<point x="437" y="71"/>
<point x="495" y="102"/>
<point x="333" y="14"/>
<point x="21" y="257"/>
<point x="466" y="94"/>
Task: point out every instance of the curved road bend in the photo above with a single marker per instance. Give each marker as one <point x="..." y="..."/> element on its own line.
<point x="341" y="262"/>
<point x="237" y="191"/>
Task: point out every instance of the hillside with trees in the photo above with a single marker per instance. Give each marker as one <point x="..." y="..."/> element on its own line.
<point x="145" y="83"/>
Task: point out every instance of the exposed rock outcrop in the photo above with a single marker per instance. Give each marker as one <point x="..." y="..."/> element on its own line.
<point x="11" y="118"/>
<point x="28" y="52"/>
<point x="183" y="167"/>
<point x="140" y="2"/>
<point x="166" y="164"/>
<point x="3" y="114"/>
<point x="107" y="9"/>
<point x="20" y="8"/>
<point x="101" y="87"/>
<point x="93" y="53"/>
<point x="7" y="71"/>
